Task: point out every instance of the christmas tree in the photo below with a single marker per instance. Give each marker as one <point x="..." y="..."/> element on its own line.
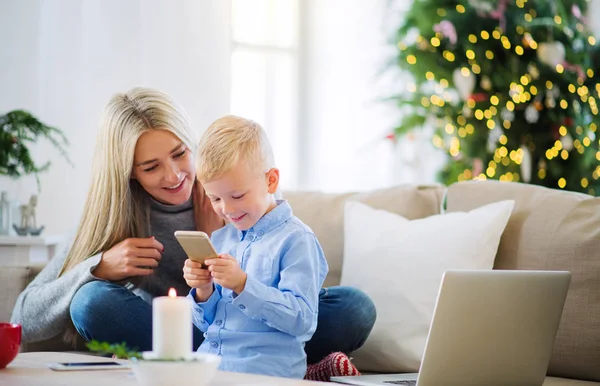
<point x="511" y="88"/>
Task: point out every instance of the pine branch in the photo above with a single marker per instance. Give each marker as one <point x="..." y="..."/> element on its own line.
<point x="121" y="351"/>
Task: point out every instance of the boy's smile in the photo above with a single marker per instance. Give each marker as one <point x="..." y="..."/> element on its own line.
<point x="241" y="196"/>
<point x="238" y="219"/>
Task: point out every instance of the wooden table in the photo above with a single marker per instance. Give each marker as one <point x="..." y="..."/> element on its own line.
<point x="32" y="369"/>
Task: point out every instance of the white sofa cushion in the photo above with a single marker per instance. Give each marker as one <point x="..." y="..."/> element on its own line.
<point x="399" y="263"/>
<point x="324" y="214"/>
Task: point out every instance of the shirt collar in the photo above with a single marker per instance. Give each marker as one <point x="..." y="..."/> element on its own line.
<point x="277" y="216"/>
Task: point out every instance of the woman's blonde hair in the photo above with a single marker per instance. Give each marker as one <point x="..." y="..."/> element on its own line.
<point x="117" y="206"/>
<point x="229" y="140"/>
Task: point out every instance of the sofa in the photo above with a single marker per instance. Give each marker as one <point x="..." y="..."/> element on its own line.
<point x="548" y="229"/>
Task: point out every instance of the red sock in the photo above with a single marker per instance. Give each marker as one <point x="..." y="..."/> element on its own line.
<point x="333" y="365"/>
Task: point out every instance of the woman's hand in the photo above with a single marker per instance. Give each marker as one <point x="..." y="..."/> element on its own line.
<point x="226" y="271"/>
<point x="130" y="257"/>
<point x="200" y="279"/>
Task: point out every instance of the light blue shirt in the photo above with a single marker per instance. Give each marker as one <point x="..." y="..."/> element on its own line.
<point x="263" y="330"/>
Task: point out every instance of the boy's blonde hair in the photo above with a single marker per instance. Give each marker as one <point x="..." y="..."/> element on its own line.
<point x="230" y="140"/>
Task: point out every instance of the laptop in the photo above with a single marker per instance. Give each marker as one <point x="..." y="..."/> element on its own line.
<point x="493" y="328"/>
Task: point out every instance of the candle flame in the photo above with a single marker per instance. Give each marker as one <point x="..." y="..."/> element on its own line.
<point x="172" y="293"/>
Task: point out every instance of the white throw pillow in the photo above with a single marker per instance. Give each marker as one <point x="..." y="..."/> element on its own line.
<point x="399" y="263"/>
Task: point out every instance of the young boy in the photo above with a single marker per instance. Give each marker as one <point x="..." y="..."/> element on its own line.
<point x="257" y="303"/>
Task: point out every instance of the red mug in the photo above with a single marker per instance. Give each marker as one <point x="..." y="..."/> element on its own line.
<point x="10" y="342"/>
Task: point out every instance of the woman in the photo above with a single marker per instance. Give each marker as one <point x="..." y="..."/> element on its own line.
<point x="124" y="253"/>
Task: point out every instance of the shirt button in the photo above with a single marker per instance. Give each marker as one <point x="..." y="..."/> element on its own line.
<point x="260" y="233"/>
<point x="242" y="307"/>
<point x="214" y="344"/>
<point x="204" y="335"/>
<point x="218" y="322"/>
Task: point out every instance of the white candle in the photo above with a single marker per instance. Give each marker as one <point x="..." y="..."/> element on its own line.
<point x="172" y="326"/>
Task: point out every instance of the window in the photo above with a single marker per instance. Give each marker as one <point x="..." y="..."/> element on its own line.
<point x="264" y="79"/>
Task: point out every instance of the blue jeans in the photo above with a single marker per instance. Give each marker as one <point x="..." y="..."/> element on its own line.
<point x="109" y="312"/>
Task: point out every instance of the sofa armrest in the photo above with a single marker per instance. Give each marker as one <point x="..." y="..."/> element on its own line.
<point x="13" y="280"/>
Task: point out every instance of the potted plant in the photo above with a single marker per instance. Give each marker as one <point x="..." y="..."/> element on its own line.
<point x="19" y="128"/>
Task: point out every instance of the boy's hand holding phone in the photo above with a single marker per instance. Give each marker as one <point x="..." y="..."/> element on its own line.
<point x="197" y="277"/>
<point x="204" y="265"/>
<point x="226" y="272"/>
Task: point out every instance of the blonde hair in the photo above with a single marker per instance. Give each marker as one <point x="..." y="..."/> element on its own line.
<point x="117" y="207"/>
<point x="230" y="140"/>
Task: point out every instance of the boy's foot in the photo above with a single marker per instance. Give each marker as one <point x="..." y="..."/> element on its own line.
<point x="333" y="365"/>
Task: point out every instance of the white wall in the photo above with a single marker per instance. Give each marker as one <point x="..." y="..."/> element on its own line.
<point x="62" y="60"/>
<point x="346" y="46"/>
<point x="594" y="16"/>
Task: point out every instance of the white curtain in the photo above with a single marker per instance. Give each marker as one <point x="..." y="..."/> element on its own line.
<point x="345" y="118"/>
<point x="63" y="59"/>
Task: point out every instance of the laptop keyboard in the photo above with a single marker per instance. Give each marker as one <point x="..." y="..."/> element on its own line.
<point x="405" y="383"/>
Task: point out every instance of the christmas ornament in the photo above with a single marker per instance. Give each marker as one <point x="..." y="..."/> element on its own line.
<point x="422" y="44"/>
<point x="531" y="114"/>
<point x="527" y="40"/>
<point x="569" y="32"/>
<point x="486" y="83"/>
<point x="576" y="107"/>
<point x="493" y="138"/>
<point x="578" y="45"/>
<point x="507" y="115"/>
<point x="578" y="14"/>
<point x="477" y="167"/>
<point x="446" y="29"/>
<point x="479" y="97"/>
<point x="465" y="84"/>
<point x="567" y="142"/>
<point x="576" y="11"/>
<point x="533" y="71"/>
<point x="551" y="53"/>
<point x="467" y="111"/>
<point x="526" y="164"/>
<point x="550" y="101"/>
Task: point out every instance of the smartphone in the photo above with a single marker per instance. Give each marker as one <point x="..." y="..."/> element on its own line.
<point x="75" y="366"/>
<point x="196" y="245"/>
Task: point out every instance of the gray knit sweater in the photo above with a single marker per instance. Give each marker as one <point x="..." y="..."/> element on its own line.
<point x="43" y="307"/>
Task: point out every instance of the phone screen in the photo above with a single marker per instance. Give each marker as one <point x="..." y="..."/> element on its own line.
<point x="78" y="364"/>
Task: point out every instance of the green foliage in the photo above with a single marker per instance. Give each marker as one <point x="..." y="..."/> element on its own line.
<point x="120" y="350"/>
<point x="17" y="129"/>
<point x="521" y="107"/>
